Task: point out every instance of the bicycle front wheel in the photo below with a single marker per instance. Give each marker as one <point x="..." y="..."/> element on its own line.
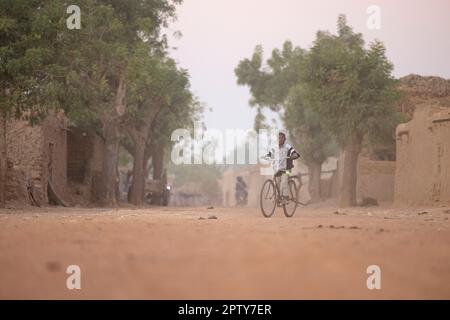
<point x="268" y="198"/>
<point x="289" y="208"/>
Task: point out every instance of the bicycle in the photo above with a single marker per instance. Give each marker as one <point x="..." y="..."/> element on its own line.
<point x="271" y="195"/>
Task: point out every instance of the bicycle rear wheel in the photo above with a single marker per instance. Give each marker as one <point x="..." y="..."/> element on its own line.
<point x="268" y="198"/>
<point x="291" y="206"/>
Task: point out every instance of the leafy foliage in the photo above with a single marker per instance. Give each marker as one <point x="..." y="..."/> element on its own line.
<point x="351" y="87"/>
<point x="278" y="86"/>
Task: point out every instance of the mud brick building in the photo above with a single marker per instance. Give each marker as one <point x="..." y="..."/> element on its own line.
<point x="36" y="154"/>
<point x="376" y="179"/>
<point x="70" y="158"/>
<point x="423" y="158"/>
<point x="423" y="144"/>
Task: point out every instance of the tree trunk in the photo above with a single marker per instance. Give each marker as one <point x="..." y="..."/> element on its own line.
<point x="347" y="196"/>
<point x="110" y="121"/>
<point x="148" y="164"/>
<point x="314" y="169"/>
<point x="109" y="174"/>
<point x="139" y="135"/>
<point x="158" y="162"/>
<point x="3" y="161"/>
<point x="137" y="188"/>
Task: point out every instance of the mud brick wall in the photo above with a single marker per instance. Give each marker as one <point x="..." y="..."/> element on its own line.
<point x="423" y="157"/>
<point x="79" y="149"/>
<point x="329" y="187"/>
<point x="28" y="154"/>
<point x="85" y="160"/>
<point x="25" y="156"/>
<point x="441" y="172"/>
<point x="376" y="179"/>
<point x="55" y="151"/>
<point x="97" y="161"/>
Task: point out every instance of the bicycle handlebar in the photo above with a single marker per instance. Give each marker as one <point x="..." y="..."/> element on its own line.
<point x="273" y="159"/>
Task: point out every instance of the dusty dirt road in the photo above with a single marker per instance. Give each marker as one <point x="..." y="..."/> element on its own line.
<point x="178" y="253"/>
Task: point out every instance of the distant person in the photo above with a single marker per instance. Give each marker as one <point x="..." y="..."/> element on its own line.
<point x="241" y="191"/>
<point x="285" y="154"/>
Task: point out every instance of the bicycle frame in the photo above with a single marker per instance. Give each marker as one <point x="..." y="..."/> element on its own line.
<point x="277" y="188"/>
<point x="278" y="192"/>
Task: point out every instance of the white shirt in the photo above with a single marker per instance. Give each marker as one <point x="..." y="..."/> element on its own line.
<point x="280" y="154"/>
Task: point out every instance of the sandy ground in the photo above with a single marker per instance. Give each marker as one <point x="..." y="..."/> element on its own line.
<point x="178" y="253"/>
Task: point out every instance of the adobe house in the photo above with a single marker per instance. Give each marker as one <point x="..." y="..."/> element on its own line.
<point x="423" y="158"/>
<point x="420" y="174"/>
<point x="35" y="155"/>
<point x="51" y="154"/>
<point x="423" y="144"/>
<point x="376" y="179"/>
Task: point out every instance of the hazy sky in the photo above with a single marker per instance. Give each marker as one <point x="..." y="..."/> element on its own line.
<point x="217" y="34"/>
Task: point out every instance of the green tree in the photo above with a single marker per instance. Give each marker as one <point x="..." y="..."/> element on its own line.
<point x="311" y="138"/>
<point x="95" y="62"/>
<point x="161" y="87"/>
<point x="25" y="57"/>
<point x="278" y="86"/>
<point x="45" y="66"/>
<point x="182" y="112"/>
<point x="353" y="91"/>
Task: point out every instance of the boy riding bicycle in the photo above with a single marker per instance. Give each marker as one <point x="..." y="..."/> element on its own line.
<point x="285" y="154"/>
